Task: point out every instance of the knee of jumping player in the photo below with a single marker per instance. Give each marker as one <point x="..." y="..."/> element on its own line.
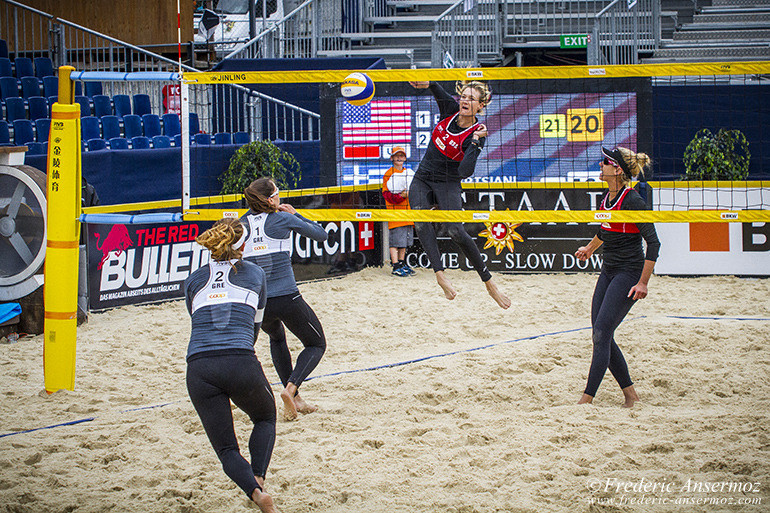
<point x="456" y="231"/>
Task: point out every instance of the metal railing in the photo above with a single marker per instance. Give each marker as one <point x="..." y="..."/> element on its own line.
<point x="543" y="19"/>
<point x="313" y="26"/>
<point x="231" y="108"/>
<point x="620" y="33"/>
<point x="463" y="38"/>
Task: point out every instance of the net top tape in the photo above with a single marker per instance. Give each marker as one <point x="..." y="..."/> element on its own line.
<point x="115" y="76"/>
<point x="513" y="73"/>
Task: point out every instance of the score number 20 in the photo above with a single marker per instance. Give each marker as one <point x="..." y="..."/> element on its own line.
<point x="576" y="125"/>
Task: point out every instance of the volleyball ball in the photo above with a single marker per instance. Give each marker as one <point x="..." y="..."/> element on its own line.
<point x="400" y="182"/>
<point x="357" y="89"/>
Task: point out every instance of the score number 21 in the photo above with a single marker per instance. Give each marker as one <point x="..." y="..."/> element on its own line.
<point x="584" y="125"/>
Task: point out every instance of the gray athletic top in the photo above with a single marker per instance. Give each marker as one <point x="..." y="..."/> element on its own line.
<point x="224" y="303"/>
<point x="268" y="244"/>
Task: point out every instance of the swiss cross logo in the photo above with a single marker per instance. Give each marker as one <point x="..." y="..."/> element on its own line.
<point x="499" y="230"/>
<point x="365" y="235"/>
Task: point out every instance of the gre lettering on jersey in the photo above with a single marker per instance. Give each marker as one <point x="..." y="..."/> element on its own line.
<point x="219" y="290"/>
<point x="258" y="243"/>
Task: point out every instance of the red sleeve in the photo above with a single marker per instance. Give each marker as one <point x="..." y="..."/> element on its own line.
<point x="393" y="198"/>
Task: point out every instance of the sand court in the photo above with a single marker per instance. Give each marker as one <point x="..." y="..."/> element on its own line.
<point x="425" y="405"/>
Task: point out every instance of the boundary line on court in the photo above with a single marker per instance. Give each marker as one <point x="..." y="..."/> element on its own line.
<point x="396" y="364"/>
<point x="451" y="353"/>
<point x="719" y="318"/>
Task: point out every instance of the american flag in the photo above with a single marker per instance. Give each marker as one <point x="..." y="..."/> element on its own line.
<point x="377" y="122"/>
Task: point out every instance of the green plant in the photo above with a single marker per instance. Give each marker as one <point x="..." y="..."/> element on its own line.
<point x="258" y="159"/>
<point x="724" y="156"/>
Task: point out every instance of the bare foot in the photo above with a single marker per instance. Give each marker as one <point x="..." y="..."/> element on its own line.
<point x="289" y="407"/>
<point x="446" y="285"/>
<point x="586" y="399"/>
<point x="264" y="501"/>
<point x="498" y="296"/>
<point x="302" y="406"/>
<point x="630" y="396"/>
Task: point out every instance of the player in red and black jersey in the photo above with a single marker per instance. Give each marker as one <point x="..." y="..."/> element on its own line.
<point x="626" y="269"/>
<point x="455" y="145"/>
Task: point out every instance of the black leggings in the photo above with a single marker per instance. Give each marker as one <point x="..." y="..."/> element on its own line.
<point x="212" y="381"/>
<point x="448" y="196"/>
<point x="292" y="311"/>
<point x="609" y="306"/>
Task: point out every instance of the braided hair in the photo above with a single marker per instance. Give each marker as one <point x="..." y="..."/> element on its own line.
<point x="220" y="238"/>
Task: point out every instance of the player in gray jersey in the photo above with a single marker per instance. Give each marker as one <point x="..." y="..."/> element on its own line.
<point x="226" y="299"/>
<point x="268" y="244"/>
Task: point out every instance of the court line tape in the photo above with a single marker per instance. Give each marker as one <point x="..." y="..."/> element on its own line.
<point x="369" y="369"/>
<point x="431" y="357"/>
<point x="396" y="364"/>
<point x="719" y="318"/>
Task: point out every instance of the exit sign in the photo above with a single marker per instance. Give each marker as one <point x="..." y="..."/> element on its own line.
<point x="574" y="41"/>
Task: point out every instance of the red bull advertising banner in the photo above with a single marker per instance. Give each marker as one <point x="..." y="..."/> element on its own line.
<point x="148" y="263"/>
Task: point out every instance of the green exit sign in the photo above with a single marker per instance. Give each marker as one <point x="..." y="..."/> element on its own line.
<point x="574" y="41"/>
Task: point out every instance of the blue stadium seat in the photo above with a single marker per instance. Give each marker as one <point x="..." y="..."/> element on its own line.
<point x="23" y="67"/>
<point x="5" y="67"/>
<point x="178" y="140"/>
<point x="51" y="100"/>
<point x="132" y="126"/>
<point x="78" y="88"/>
<point x="36" y="148"/>
<point x="89" y="128"/>
<point x="9" y="87"/>
<point x="30" y="86"/>
<point x="85" y="105"/>
<point x="51" y="86"/>
<point x="93" y="88"/>
<point x="5" y="136"/>
<point x="38" y="107"/>
<point x="201" y="138"/>
<point x="195" y="125"/>
<point x="119" y="143"/>
<point x="161" y="141"/>
<point x="43" y="67"/>
<point x="3" y="48"/>
<point x="171" y="125"/>
<point x="23" y="132"/>
<point x="241" y="138"/>
<point x="42" y="129"/>
<point x="142" y="104"/>
<point x="140" y="143"/>
<point x="223" y="138"/>
<point x="102" y="105"/>
<point x="97" y="144"/>
<point x="151" y="124"/>
<point x="14" y="109"/>
<point x="110" y="127"/>
<point x="122" y="104"/>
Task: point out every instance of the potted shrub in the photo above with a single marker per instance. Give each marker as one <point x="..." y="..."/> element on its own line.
<point x="258" y="159"/>
<point x="721" y="156"/>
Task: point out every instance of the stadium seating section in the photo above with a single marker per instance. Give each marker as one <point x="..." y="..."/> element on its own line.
<point x="29" y="87"/>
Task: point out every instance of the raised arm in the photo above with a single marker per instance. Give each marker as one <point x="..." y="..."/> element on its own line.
<point x="303" y="226"/>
